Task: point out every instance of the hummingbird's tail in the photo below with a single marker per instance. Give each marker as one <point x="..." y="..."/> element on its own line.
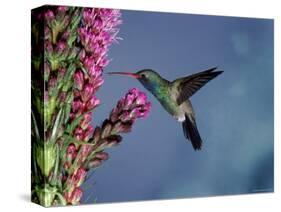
<point x="191" y="132"/>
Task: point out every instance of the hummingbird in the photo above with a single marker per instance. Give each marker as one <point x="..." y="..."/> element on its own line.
<point x="174" y="96"/>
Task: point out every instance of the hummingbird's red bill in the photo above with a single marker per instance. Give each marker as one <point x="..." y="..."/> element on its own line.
<point x="136" y="76"/>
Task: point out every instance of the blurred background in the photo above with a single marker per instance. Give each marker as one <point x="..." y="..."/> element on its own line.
<point x="234" y="111"/>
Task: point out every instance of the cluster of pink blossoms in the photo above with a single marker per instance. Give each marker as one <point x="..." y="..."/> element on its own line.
<point x="130" y="107"/>
<point x="97" y="32"/>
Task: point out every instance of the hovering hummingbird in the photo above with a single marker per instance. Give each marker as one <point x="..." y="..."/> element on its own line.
<point x="174" y="96"/>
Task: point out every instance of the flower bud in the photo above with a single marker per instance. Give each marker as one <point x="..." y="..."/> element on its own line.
<point x="75" y="196"/>
<point x="61" y="73"/>
<point x="88" y="133"/>
<point x="145" y="110"/>
<point x="125" y="116"/>
<point x="135" y="113"/>
<point x="121" y="127"/>
<point x="87" y="92"/>
<point x="49" y="16"/>
<point x="62" y="96"/>
<point x="79" y="80"/>
<point x="62" y="9"/>
<point x="52" y="84"/>
<point x="77" y="178"/>
<point x="102" y="155"/>
<point x="96" y="134"/>
<point x="71" y="152"/>
<point x="86" y="121"/>
<point x="141" y="99"/>
<point x="76" y="105"/>
<point x="94" y="163"/>
<point x="128" y="101"/>
<point x="106" y="128"/>
<point x="79" y="133"/>
<point x="92" y="103"/>
<point x="61" y="45"/>
<point x="49" y="47"/>
<point x="89" y="63"/>
<point x="103" y="62"/>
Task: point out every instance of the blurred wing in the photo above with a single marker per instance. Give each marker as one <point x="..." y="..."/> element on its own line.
<point x="187" y="86"/>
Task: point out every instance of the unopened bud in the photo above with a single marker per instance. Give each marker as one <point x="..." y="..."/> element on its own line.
<point x="102" y="155"/>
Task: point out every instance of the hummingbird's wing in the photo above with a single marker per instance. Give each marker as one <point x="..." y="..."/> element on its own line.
<point x="187" y="86"/>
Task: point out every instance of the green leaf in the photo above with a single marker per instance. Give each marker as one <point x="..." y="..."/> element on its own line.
<point x="35" y="174"/>
<point x="35" y="126"/>
<point x="70" y="128"/>
<point x="64" y="146"/>
<point x="75" y="141"/>
<point x="57" y="125"/>
<point x="75" y="21"/>
<point x="55" y="176"/>
<point x="61" y="198"/>
<point x="71" y="39"/>
<point x="68" y="107"/>
<point x="67" y="82"/>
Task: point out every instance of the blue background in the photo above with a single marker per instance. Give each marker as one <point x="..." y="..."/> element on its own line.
<point x="234" y="111"/>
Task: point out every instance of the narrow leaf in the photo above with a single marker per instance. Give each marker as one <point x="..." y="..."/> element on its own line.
<point x="56" y="126"/>
<point x="35" y="126"/>
<point x="55" y="177"/>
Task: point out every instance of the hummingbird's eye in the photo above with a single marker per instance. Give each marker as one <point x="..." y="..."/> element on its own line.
<point x="143" y="76"/>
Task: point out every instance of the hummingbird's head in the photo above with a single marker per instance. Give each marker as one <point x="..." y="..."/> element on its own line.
<point x="147" y="77"/>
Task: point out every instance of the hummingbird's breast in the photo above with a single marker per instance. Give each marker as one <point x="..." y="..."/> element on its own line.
<point x="177" y="111"/>
<point x="167" y="95"/>
<point x="167" y="98"/>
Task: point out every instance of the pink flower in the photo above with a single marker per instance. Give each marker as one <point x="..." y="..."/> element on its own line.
<point x="141" y="98"/>
<point x="71" y="151"/>
<point x="136" y="103"/>
<point x="130" y="107"/>
<point x="49" y="15"/>
<point x="79" y="177"/>
<point x="87" y="92"/>
<point x="61" y="73"/>
<point x="52" y="83"/>
<point x="79" y="79"/>
<point x="125" y="116"/>
<point x="79" y="134"/>
<point x="62" y="9"/>
<point x="94" y="163"/>
<point x="61" y="45"/>
<point x="86" y="121"/>
<point x="75" y="196"/>
<point x="102" y="155"/>
<point x="65" y="35"/>
<point x="49" y="47"/>
<point x="92" y="103"/>
<point x="85" y="151"/>
<point x="135" y="113"/>
<point x="146" y="108"/>
<point x="88" y="133"/>
<point x="76" y="105"/>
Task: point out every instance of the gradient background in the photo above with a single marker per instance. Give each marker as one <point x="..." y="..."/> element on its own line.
<point x="234" y="111"/>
